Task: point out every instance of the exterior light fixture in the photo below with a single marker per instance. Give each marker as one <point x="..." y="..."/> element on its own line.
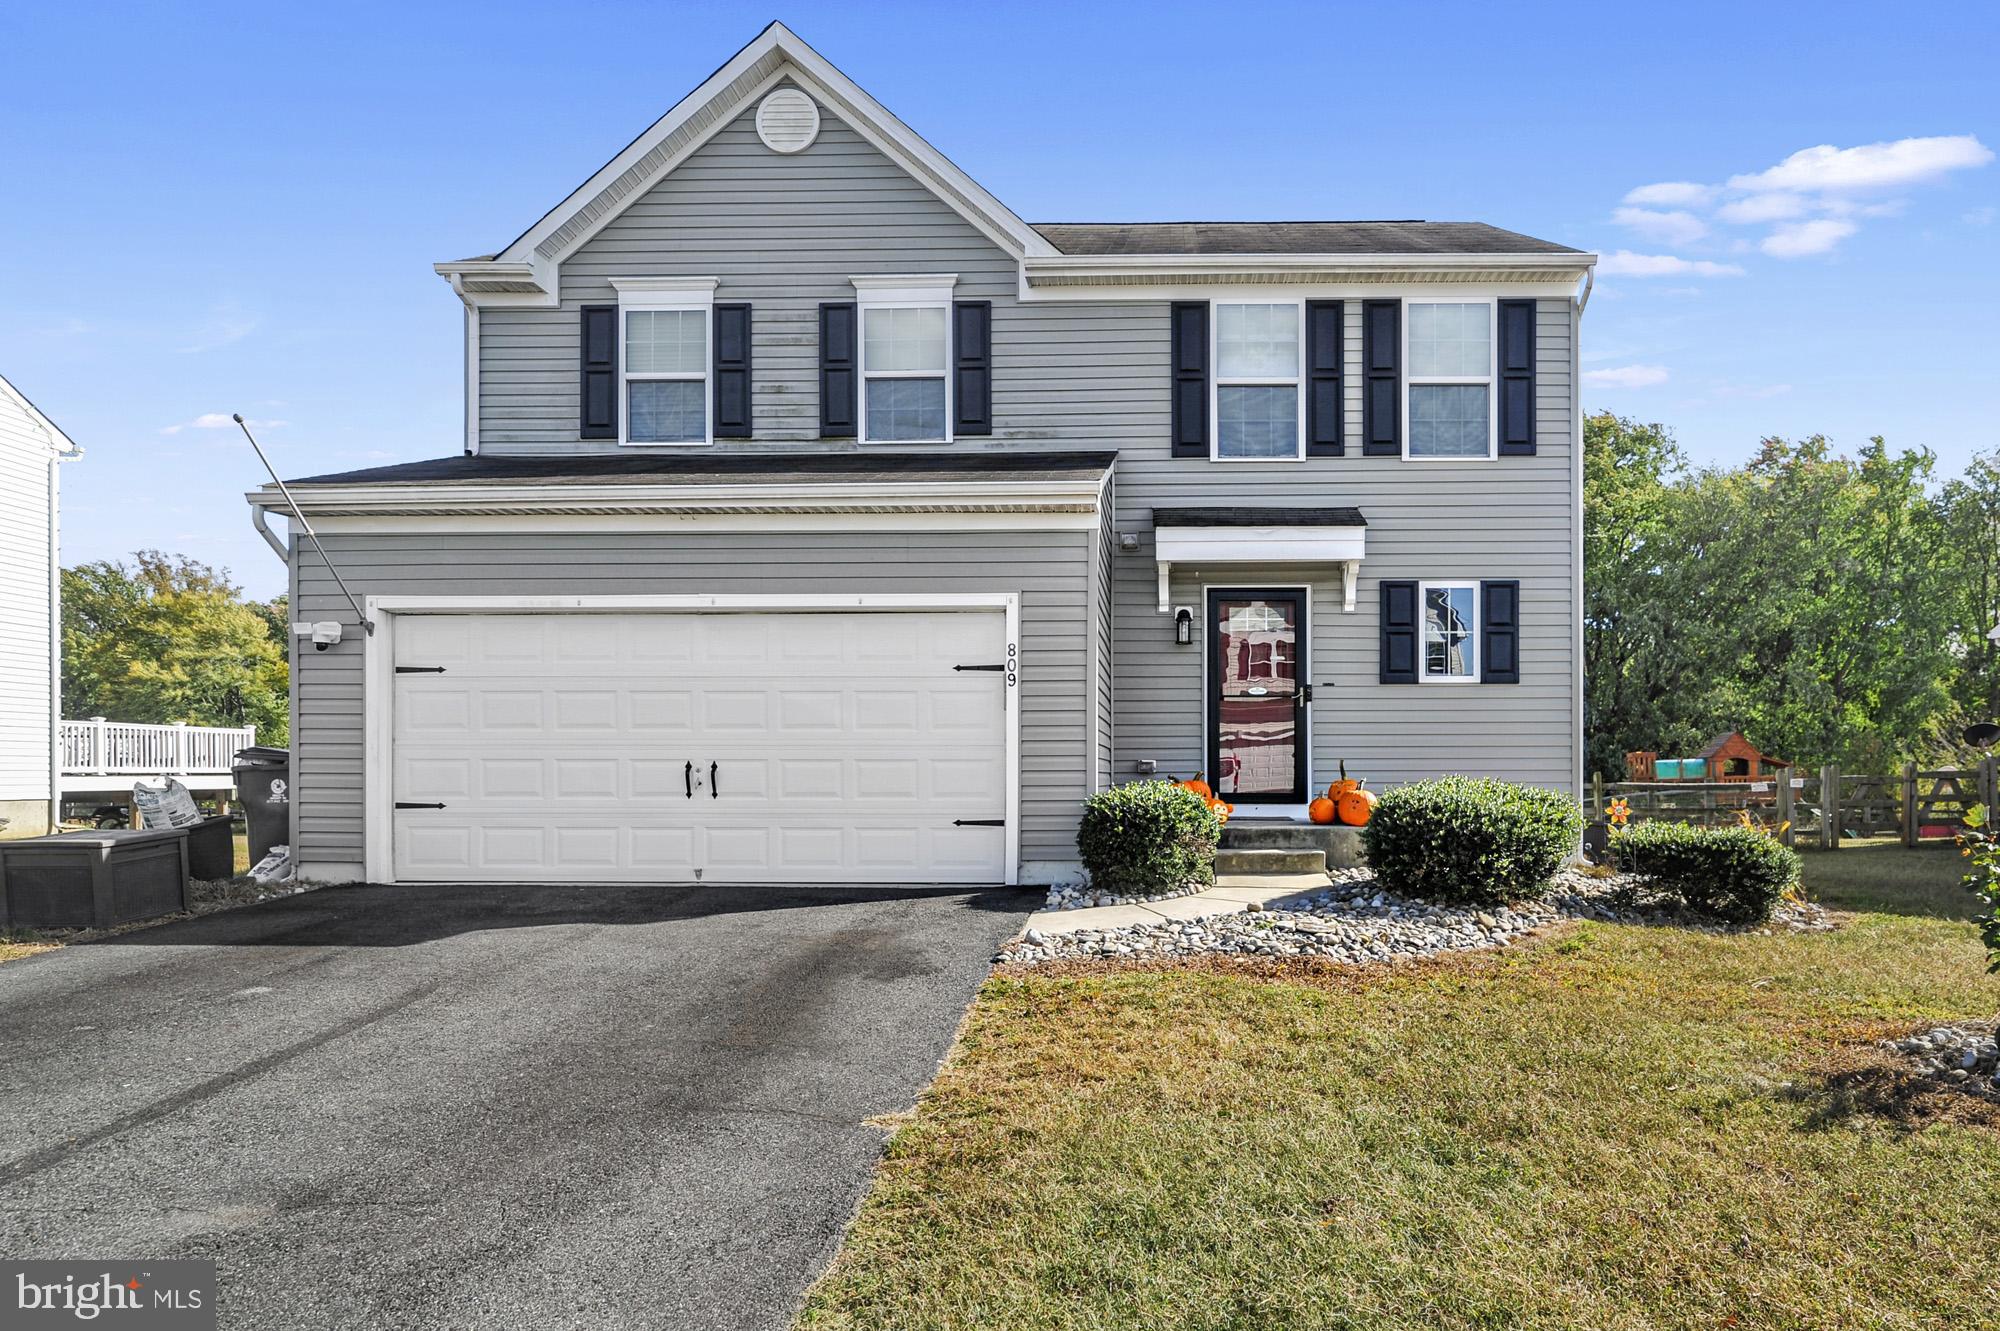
<point x="1184" y="626"/>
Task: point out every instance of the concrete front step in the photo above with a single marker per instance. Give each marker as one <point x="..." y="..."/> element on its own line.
<point x="1232" y="893"/>
<point x="1340" y="845"/>
<point x="1269" y="861"/>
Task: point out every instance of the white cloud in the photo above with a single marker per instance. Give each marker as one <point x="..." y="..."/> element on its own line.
<point x="1981" y="216"/>
<point x="218" y="420"/>
<point x="1763" y="208"/>
<point x="1672" y="194"/>
<point x="1809" y="202"/>
<point x="1624" y="263"/>
<point x="1796" y="240"/>
<point x="1871" y="166"/>
<point x="1669" y="228"/>
<point x="1626" y="376"/>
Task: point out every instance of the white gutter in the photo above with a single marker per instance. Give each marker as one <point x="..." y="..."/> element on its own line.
<point x="1074" y="496"/>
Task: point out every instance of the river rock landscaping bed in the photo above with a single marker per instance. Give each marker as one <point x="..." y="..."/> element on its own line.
<point x="1357" y="920"/>
<point x="1079" y="896"/>
<point x="1967" y="1056"/>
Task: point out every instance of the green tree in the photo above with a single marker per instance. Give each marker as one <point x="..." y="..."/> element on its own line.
<point x="170" y="639"/>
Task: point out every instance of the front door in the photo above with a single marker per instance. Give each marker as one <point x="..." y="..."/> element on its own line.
<point x="1257" y="737"/>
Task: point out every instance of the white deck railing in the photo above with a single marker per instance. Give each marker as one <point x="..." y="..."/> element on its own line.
<point x="98" y="747"/>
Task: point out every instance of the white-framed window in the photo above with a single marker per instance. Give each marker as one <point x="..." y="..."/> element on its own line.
<point x="1448" y="350"/>
<point x="665" y="393"/>
<point x="1259" y="401"/>
<point x="905" y="339"/>
<point x="1448" y="649"/>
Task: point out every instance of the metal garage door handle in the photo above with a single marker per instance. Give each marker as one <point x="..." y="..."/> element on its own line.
<point x="712" y="792"/>
<point x="688" y="775"/>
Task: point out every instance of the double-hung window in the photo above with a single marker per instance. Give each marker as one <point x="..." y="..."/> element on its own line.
<point x="664" y="326"/>
<point x="1450" y="346"/>
<point x="1449" y="652"/>
<point x="905" y="359"/>
<point x="1257" y="393"/>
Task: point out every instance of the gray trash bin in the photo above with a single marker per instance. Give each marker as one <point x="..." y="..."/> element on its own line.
<point x="264" y="785"/>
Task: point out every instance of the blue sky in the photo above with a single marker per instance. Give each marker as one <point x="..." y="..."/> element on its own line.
<point x="216" y="208"/>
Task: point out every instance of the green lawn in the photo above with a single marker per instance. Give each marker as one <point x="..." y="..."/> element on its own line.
<point x="1618" y="1127"/>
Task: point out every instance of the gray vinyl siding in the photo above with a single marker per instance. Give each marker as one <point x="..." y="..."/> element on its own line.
<point x="1050" y="571"/>
<point x="1438" y="521"/>
<point x="788" y="232"/>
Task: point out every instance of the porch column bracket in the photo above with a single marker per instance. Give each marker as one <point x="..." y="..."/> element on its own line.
<point x="1350" y="575"/>
<point x="1166" y="569"/>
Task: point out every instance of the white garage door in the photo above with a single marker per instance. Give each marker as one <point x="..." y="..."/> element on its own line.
<point x="750" y="747"/>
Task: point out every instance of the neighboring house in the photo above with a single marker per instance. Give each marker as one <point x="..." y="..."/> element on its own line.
<point x="31" y="449"/>
<point x="821" y="520"/>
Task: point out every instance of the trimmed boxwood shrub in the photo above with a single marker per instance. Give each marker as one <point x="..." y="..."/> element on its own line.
<point x="1471" y="840"/>
<point x="1148" y="838"/>
<point x="1736" y="874"/>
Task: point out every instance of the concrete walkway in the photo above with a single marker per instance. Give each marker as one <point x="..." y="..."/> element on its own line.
<point x="1230" y="895"/>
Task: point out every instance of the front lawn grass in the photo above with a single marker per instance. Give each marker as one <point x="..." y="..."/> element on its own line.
<point x="1616" y="1127"/>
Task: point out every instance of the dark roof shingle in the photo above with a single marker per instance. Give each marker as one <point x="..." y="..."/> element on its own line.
<point x="1400" y="237"/>
<point x="775" y="465"/>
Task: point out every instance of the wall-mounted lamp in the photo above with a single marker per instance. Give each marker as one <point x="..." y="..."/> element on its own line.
<point x="1183" y="625"/>
<point x="1128" y="540"/>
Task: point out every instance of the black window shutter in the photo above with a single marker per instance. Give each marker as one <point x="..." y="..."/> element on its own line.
<point x="597" y="393"/>
<point x="1381" y="378"/>
<point x="1323" y="369"/>
<point x="1500" y="632"/>
<point x="1190" y="374"/>
<point x="838" y="381"/>
<point x="1399" y="632"/>
<point x="972" y="367"/>
<point x="1517" y="378"/>
<point x="732" y="372"/>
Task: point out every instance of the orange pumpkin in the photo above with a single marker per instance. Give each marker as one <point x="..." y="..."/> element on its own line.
<point x="1342" y="786"/>
<point x="1198" y="786"/>
<point x="1355" y="806"/>
<point x="1321" y="810"/>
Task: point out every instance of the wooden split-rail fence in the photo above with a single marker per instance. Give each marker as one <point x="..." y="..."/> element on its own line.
<point x="1816" y="808"/>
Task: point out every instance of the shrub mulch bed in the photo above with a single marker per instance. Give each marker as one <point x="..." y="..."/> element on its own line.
<point x="1358" y="921"/>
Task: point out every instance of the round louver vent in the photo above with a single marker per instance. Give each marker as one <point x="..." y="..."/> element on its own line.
<point x="787" y="121"/>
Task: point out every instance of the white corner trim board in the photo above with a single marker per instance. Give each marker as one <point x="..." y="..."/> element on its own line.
<point x="380" y="684"/>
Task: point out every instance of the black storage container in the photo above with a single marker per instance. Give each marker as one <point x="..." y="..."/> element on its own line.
<point x="264" y="787"/>
<point x="92" y="880"/>
<point x="212" y="848"/>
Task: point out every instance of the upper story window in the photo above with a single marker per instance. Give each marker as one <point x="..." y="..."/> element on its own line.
<point x="664" y="360"/>
<point x="905" y="359"/>
<point x="1451" y="632"/>
<point x="1450" y="378"/>
<point x="1257" y="392"/>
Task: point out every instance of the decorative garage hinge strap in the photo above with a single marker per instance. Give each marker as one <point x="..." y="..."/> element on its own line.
<point x="979" y="822"/>
<point x="1001" y="666"/>
<point x="406" y="804"/>
<point x="420" y="670"/>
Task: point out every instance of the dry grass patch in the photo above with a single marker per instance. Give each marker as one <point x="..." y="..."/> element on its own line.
<point x="1619" y="1127"/>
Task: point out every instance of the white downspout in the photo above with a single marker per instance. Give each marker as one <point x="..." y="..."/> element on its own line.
<point x="1576" y="466"/>
<point x="56" y="458"/>
<point x="270" y="537"/>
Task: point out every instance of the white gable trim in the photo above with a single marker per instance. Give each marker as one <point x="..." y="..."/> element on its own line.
<point x="58" y="441"/>
<point x="777" y="54"/>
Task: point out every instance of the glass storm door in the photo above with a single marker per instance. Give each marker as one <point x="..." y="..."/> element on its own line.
<point x="1256" y="706"/>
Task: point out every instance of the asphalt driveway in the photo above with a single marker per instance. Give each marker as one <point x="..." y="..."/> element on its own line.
<point x="483" y="1107"/>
